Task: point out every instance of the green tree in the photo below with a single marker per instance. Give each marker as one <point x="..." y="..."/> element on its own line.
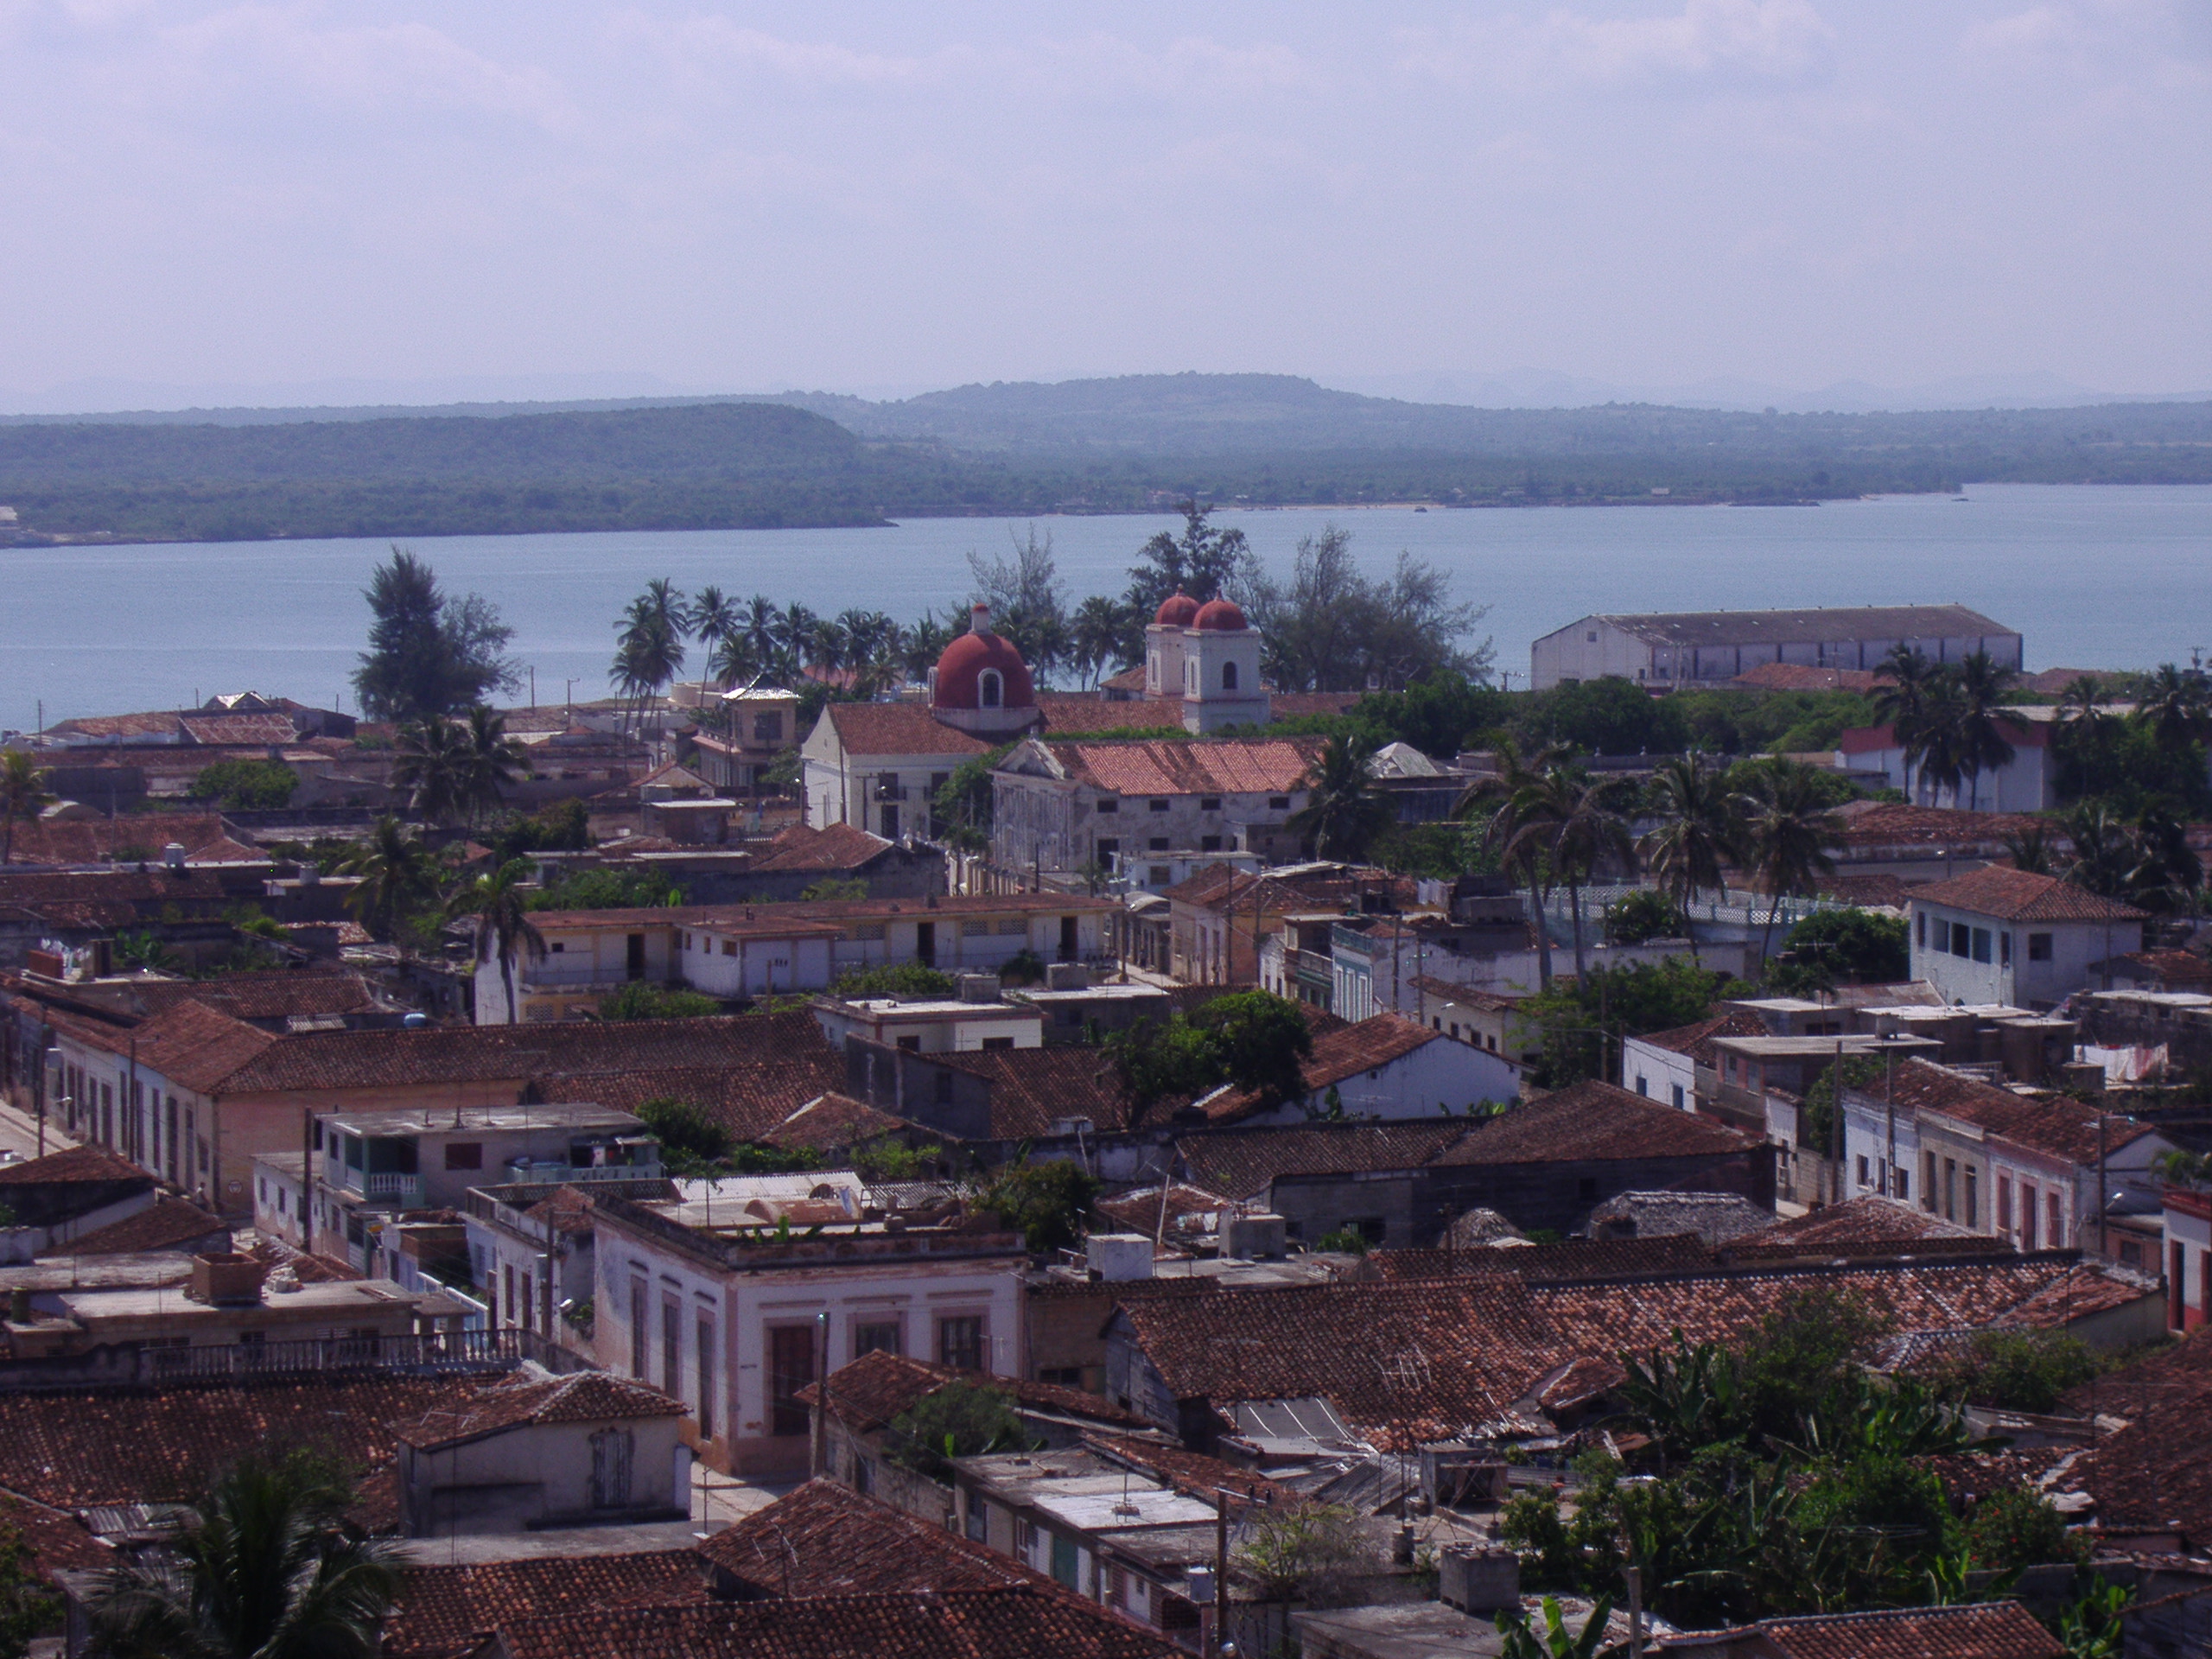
<point x="1437" y="713"/>
<point x="489" y="763"/>
<point x="1556" y="1639"/>
<point x="961" y="1420"/>
<point x="23" y="796"/>
<point x="1155" y="1060"/>
<point x="26" y="1606"/>
<point x="1045" y="1203"/>
<point x="609" y="889"/>
<point x="1645" y="914"/>
<point x="557" y="827"/>
<point x="1979" y="739"/>
<point x="1903" y="704"/>
<point x="1204" y="562"/>
<point x="1844" y="946"/>
<point x="1342" y="812"/>
<point x="398" y="876"/>
<point x="267" y="1568"/>
<point x="1520" y="807"/>
<point x="2017" y="1371"/>
<point x="834" y="889"/>
<point x="1695" y="834"/>
<point x="1604" y="716"/>
<point x="1621" y="1002"/>
<point x="962" y="804"/>
<point x="1261" y="1042"/>
<point x="1098" y="638"/>
<point x="1785" y="828"/>
<point x="1592" y="832"/>
<point x="1312" y="1553"/>
<point x="649" y="642"/>
<point x="692" y="1142"/>
<point x="643" y="1000"/>
<point x="1029" y="605"/>
<point x="907" y="979"/>
<point x="1329" y="627"/>
<point x="431" y="764"/>
<point x="430" y="655"/>
<point x="499" y="909"/>
<point x="246" y="784"/>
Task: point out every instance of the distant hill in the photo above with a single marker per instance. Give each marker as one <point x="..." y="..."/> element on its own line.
<point x="1116" y="445"/>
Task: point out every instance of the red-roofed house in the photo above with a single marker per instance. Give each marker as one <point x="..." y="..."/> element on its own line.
<point x="1998" y="935"/>
<point x="1991" y="1629"/>
<point x="1385" y="1067"/>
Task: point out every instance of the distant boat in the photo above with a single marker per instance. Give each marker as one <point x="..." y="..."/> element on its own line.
<point x="1958" y="498"/>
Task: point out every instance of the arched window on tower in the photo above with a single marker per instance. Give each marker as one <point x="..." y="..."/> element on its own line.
<point x="987" y="688"/>
<point x="1229" y="676"/>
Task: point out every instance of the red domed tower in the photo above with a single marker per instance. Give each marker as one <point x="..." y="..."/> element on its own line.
<point x="1163" y="645"/>
<point x="1221" y="669"/>
<point x="981" y="685"/>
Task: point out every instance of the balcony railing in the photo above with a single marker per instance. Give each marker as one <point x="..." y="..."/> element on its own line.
<point x="547" y="973"/>
<point x="403" y="1190"/>
<point x="445" y="1352"/>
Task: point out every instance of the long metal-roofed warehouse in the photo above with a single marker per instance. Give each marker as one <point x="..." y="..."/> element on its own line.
<point x="1689" y="647"/>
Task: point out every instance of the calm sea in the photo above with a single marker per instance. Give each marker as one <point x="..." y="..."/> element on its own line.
<point x="2094" y="577"/>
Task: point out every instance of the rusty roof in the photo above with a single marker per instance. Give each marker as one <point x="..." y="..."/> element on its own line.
<point x="443" y="1613"/>
<point x="892" y="728"/>
<point x="2010" y="895"/>
<point x="825" y="1539"/>
<point x="839" y="847"/>
<point x="1593" y="1120"/>
<point x="1244" y="1163"/>
<point x="168" y="1223"/>
<point x="90" y="1162"/>
<point x="520" y="1400"/>
<point x="1214" y="765"/>
<point x="2055" y="1125"/>
<point x="1993" y="1630"/>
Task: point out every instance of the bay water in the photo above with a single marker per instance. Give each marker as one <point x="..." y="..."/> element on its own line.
<point x="2113" y="577"/>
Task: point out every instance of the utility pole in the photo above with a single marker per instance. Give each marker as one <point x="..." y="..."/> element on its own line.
<point x="819" y="1459"/>
<point x="1835" y="1128"/>
<point x="1220" y="1642"/>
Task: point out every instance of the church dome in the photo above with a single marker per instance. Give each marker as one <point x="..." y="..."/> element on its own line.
<point x="1177" y="612"/>
<point x="1220" y="616"/>
<point x="981" y="669"/>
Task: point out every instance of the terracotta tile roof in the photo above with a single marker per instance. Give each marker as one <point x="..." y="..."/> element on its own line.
<point x="2051" y="1124"/>
<point x="73" y="1164"/>
<point x="1869" y="825"/>
<point x="2012" y="895"/>
<point x="199" y="1047"/>
<point x="1569" y="1259"/>
<point x="1857" y="1226"/>
<point x="825" y="1539"/>
<point x="1696" y="1040"/>
<point x="1467" y="996"/>
<point x="1803" y="677"/>
<point x="888" y="728"/>
<point x="568" y="1209"/>
<point x="1278" y="892"/>
<point x="218" y="730"/>
<point x="1033" y="1088"/>
<point x="834" y="1119"/>
<point x="1427" y="1359"/>
<point x="1593" y="1120"/>
<point x="58" y="1542"/>
<point x="73" y="1450"/>
<point x="1338" y="1056"/>
<point x="1140" y="1212"/>
<point x="443" y="1613"/>
<point x="168" y="1223"/>
<point x="1129" y="679"/>
<point x="2173" y="970"/>
<point x="273" y="996"/>
<point x="1870" y="891"/>
<point x="93" y="840"/>
<point x="2156" y="1472"/>
<point x="1068" y="714"/>
<point x="1192" y="1473"/>
<point x="839" y="847"/>
<point x="1243" y="1163"/>
<point x="1012" y="1622"/>
<point x="1224" y="766"/>
<point x="152" y="723"/>
<point x="878" y="1387"/>
<point x="1996" y="1629"/>
<point x="582" y="1397"/>
<point x="1290" y="705"/>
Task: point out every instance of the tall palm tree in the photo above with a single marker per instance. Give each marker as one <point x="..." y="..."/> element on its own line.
<point x="1342" y="812"/>
<point x="1695" y="834"/>
<point x="397" y="875"/>
<point x="1942" y="738"/>
<point x="925" y="642"/>
<point x="2034" y="850"/>
<point x="23" y="796"/>
<point x="2104" y="853"/>
<point x="713" y="618"/>
<point x="798" y="631"/>
<point x="267" y="1569"/>
<point x="732" y="659"/>
<point x="1981" y="725"/>
<point x="2176" y="703"/>
<point x="758" y="618"/>
<point x="1520" y="810"/>
<point x="1787" y="827"/>
<point x="431" y="762"/>
<point x="1095" y="637"/>
<point x="500" y="910"/>
<point x="1592" y="830"/>
<point x="649" y="649"/>
<point x="491" y="760"/>
<point x="1903" y="704"/>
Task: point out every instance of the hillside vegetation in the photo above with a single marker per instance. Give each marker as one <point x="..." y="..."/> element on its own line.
<point x="1104" y="446"/>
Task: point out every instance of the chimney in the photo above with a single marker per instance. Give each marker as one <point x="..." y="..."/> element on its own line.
<point x="979" y="619"/>
<point x="173" y="855"/>
<point x="1479" y="1582"/>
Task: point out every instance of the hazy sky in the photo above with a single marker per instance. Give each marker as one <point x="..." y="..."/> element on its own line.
<point x="875" y="196"/>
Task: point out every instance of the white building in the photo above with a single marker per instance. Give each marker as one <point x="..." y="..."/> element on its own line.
<point x="1998" y="935"/>
<point x="2189" y="1258"/>
<point x="735" y="1316"/>
<point x="2026" y="783"/>
<point x="1688" y="648"/>
<point x="1383" y="1068"/>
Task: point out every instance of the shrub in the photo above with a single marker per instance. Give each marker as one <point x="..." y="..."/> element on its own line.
<point x="2014" y="1528"/>
<point x="246" y="785"/>
<point x="962" y="1420"/>
<point x="1045" y="1203"/>
<point x="643" y="1000"/>
<point x="608" y="890"/>
<point x="1308" y="1552"/>
<point x="2018" y="1370"/>
<point x="1644" y="914"/>
<point x="901" y="979"/>
<point x="832" y="888"/>
<point x="684" y="1130"/>
<point x="1023" y="968"/>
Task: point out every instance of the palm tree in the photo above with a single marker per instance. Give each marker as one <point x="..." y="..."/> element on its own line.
<point x="714" y="620"/>
<point x="2176" y="703"/>
<point x="2104" y="853"/>
<point x="267" y="1569"/>
<point x="649" y="649"/>
<point x="23" y="796"/>
<point x="924" y="643"/>
<point x="1095" y="637"/>
<point x="500" y="910"/>
<point x="1593" y="829"/>
<point x="732" y="659"/>
<point x="1980" y="735"/>
<point x="432" y="764"/>
<point x="2034" y="850"/>
<point x="1787" y="829"/>
<point x="397" y="874"/>
<point x="758" y="618"/>
<point x="491" y="760"/>
<point x="1521" y="811"/>
<point x="797" y="630"/>
<point x="1342" y="812"/>
<point x="1903" y="704"/>
<point x="1695" y="834"/>
<point x="1942" y="737"/>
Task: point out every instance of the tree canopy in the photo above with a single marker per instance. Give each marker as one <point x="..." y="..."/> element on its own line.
<point x="429" y="654"/>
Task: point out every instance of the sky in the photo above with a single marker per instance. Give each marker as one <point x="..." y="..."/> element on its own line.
<point x="201" y="201"/>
